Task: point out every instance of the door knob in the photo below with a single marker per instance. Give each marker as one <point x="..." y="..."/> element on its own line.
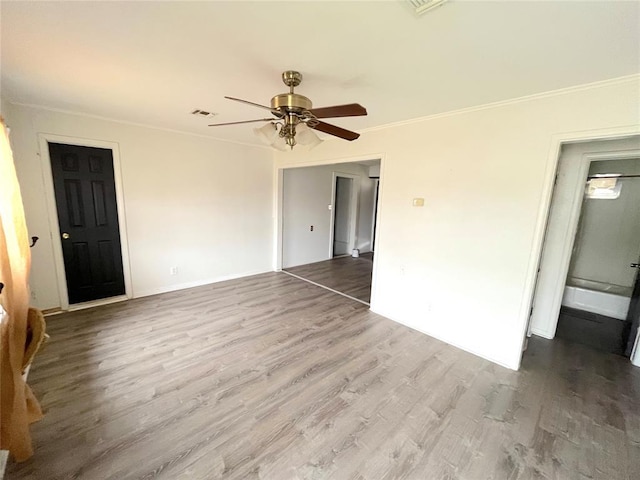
<point x="635" y="265"/>
<point x="65" y="235"/>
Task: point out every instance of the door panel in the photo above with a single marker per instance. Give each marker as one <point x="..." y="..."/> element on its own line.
<point x="87" y="212"/>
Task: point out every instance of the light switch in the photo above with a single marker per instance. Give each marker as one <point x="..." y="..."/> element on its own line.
<point x="418" y="202"/>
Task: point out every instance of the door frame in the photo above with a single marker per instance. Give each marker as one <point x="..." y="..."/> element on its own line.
<point x="556" y="271"/>
<point x="54" y="226"/>
<point x="278" y="206"/>
<point x="374" y="214"/>
<point x="353" y="210"/>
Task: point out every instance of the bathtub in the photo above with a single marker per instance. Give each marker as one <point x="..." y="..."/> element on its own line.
<point x="610" y="300"/>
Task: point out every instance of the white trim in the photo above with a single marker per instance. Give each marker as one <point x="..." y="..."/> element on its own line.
<point x="635" y="353"/>
<point x="448" y="113"/>
<point x="96" y="303"/>
<point x="511" y="101"/>
<point x="353" y="210"/>
<point x="553" y="159"/>
<point x="332" y="161"/>
<point x="54" y="226"/>
<point x="136" y="124"/>
<point x="198" y="283"/>
<point x="448" y="341"/>
<point x="373" y="213"/>
<point x="278" y="216"/>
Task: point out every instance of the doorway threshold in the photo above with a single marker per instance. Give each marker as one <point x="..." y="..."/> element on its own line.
<point x="326" y="288"/>
<point x="96" y="303"/>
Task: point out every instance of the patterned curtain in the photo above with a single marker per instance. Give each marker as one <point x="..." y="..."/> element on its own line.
<point x="18" y="406"/>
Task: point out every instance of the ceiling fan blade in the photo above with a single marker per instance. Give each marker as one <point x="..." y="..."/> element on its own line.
<point x="349" y="110"/>
<point x="244" y="121"/>
<point x="335" y="131"/>
<point x="275" y="112"/>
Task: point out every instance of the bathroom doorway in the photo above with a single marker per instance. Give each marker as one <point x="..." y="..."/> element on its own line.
<point x="603" y="273"/>
<point x="595" y="278"/>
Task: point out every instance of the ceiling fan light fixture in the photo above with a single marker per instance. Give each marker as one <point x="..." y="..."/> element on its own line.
<point x="306" y="136"/>
<point x="268" y="133"/>
<point x="280" y="143"/>
<point x="292" y="110"/>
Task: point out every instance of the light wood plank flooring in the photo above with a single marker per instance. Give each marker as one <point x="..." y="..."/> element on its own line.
<point x="348" y="275"/>
<point x="271" y="377"/>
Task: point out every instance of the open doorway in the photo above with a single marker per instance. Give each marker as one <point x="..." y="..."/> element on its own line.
<point x="343" y="214"/>
<point x="588" y="284"/>
<point x="603" y="272"/>
<point x="328" y="225"/>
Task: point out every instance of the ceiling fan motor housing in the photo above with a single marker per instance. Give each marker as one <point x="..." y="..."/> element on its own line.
<point x="291" y="102"/>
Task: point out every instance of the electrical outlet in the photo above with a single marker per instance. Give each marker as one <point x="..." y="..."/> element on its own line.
<point x="33" y="295"/>
<point x="311" y="228"/>
<point x="173" y="271"/>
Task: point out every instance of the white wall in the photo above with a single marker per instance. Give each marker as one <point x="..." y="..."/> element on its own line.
<point x="200" y="204"/>
<point x="462" y="267"/>
<point x="306" y="196"/>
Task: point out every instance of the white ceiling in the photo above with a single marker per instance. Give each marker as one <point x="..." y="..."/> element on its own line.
<point x="153" y="62"/>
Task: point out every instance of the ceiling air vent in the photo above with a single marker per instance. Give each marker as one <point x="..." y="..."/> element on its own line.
<point x="423" y="6"/>
<point x="203" y="113"/>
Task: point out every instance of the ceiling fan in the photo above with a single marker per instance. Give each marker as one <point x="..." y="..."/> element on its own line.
<point x="294" y="115"/>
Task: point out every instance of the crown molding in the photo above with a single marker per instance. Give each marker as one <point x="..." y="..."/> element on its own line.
<point x="134" y="124"/>
<point x="450" y="113"/>
<point x="502" y="103"/>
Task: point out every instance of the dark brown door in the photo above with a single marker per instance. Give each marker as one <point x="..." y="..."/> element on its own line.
<point x="86" y="202"/>
<point x="633" y="317"/>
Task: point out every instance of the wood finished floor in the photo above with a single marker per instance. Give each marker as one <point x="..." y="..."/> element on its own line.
<point x="348" y="275"/>
<point x="271" y="377"/>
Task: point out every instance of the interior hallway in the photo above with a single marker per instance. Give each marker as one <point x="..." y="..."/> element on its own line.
<point x="273" y="378"/>
<point x="348" y="275"/>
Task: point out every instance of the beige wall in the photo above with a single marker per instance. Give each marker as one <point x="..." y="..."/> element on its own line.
<point x="462" y="267"/>
<point x="202" y="205"/>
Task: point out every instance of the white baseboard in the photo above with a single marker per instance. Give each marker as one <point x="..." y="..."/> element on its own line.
<point x="450" y="342"/>
<point x="197" y="283"/>
<point x="543" y="333"/>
